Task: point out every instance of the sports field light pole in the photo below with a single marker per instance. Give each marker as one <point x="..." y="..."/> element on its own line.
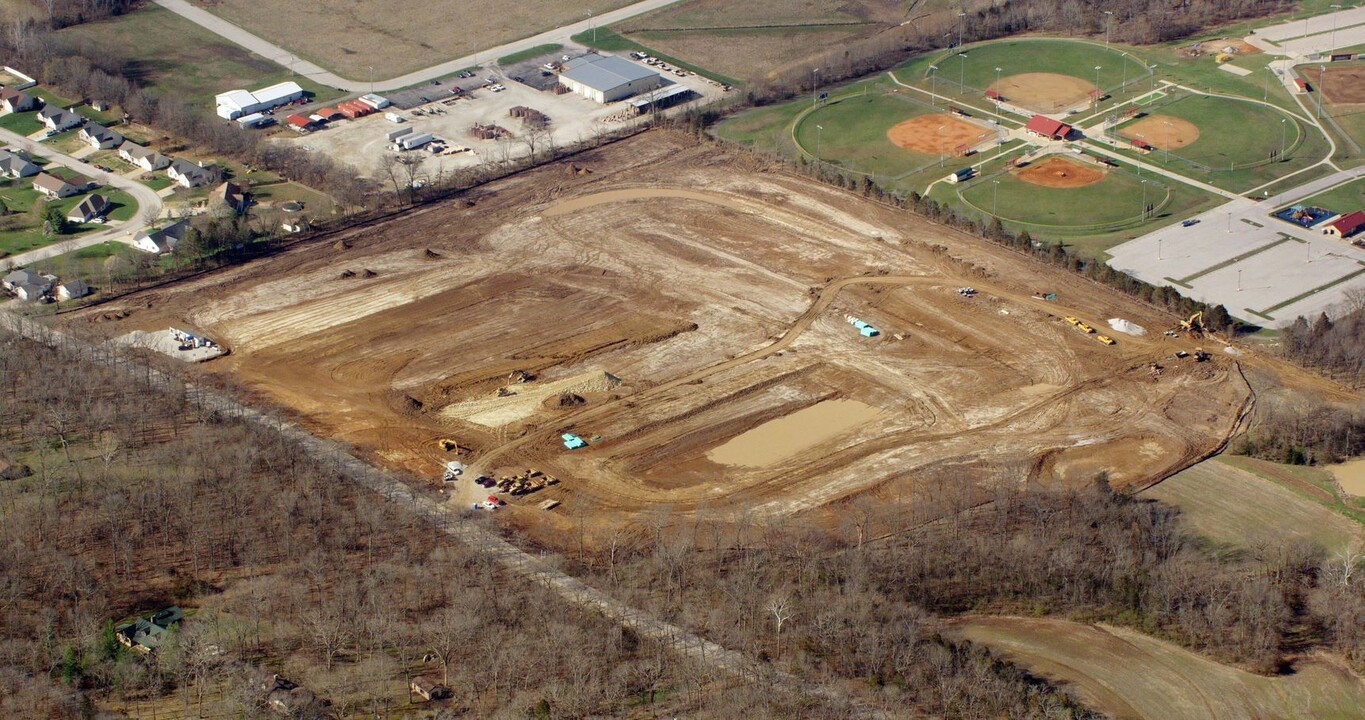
<point x="997" y="86"/>
<point x="940" y="145"/>
<point x="962" y="73"/>
<point x="1097" y="86"/>
<point x="933" y="85"/>
<point x="1144" y="217"/>
<point x="371" y="67"/>
<point x="1333" y="43"/>
<point x="1283" y="129"/>
<point x="961" y="20"/>
<point x="814" y="72"/>
<point x="1108" y="20"/>
<point x="1229" y="223"/>
<point x="1322" y="76"/>
<point x="995" y="192"/>
<point x="818" y="129"/>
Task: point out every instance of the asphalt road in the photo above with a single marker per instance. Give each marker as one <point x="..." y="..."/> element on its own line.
<point x="145" y="196"/>
<point x="317" y="74"/>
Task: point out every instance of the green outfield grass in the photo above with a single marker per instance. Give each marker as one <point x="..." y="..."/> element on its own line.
<point x="1231" y="132"/>
<point x="1014" y="57"/>
<point x="854" y="135"/>
<point x="1116" y="199"/>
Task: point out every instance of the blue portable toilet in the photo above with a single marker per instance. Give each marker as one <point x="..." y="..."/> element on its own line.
<point x="866" y="330"/>
<point x="573" y="442"/>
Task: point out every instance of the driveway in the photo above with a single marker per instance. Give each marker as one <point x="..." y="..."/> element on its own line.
<point x="145" y="196"/>
<point x="275" y="53"/>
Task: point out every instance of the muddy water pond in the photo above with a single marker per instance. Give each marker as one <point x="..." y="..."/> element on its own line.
<point x="779" y="439"/>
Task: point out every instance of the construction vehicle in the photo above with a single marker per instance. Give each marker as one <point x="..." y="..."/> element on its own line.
<point x="526" y="483"/>
<point x="1084" y="328"/>
<point x="1105" y="339"/>
<point x="1073" y="322"/>
<point x="448" y="445"/>
<point x="1195" y="324"/>
<point x="1200" y="355"/>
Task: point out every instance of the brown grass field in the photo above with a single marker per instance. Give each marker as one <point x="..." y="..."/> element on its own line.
<point x="1163" y="132"/>
<point x="1043" y="92"/>
<point x="348" y="37"/>
<point x="1060" y="172"/>
<point x="716" y="291"/>
<point x="922" y="135"/>
<point x="1130" y="676"/>
<point x="1343" y="85"/>
<point x="1230" y="505"/>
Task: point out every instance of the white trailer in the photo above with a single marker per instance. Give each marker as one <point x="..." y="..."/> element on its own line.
<point x="394" y="135"/>
<point x="395" y="118"/>
<point x="412" y="142"/>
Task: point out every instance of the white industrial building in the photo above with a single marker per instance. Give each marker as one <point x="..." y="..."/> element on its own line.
<point x="607" y="78"/>
<point x="236" y="103"/>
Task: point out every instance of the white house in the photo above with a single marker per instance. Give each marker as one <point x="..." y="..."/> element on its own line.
<point x="71" y="290"/>
<point x="14" y="101"/>
<point x="100" y="137"/>
<point x="143" y="157"/>
<point x="20" y="277"/>
<point x="164" y="240"/>
<point x="236" y="103"/>
<point x="30" y="293"/>
<point x="190" y="175"/>
<point x="607" y="78"/>
<point x="16" y="165"/>
<point x="58" y="119"/>
<point x="92" y="207"/>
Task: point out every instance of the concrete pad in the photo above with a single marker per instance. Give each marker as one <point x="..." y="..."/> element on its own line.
<point x="163" y="342"/>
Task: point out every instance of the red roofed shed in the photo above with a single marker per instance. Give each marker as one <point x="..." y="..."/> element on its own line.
<point x="302" y="122"/>
<point x="329" y="113"/>
<point x="993" y="95"/>
<point x="1347" y="225"/>
<point x="1044" y="126"/>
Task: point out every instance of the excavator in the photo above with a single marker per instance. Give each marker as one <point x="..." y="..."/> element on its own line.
<point x="1194" y="325"/>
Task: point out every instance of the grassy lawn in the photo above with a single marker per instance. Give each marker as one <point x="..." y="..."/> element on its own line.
<point x="854" y="134"/>
<point x="66" y="143"/>
<point x="20" y="197"/>
<point x="612" y="42"/>
<point x="108" y="117"/>
<point x="177" y="58"/>
<point x="110" y="159"/>
<point x="157" y="181"/>
<point x="529" y="53"/>
<point x="315" y="202"/>
<point x="49" y="97"/>
<point x="23" y="123"/>
<point x="1014" y="57"/>
<point x="1343" y="198"/>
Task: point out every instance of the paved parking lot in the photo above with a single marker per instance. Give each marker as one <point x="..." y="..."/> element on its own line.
<point x="362" y="142"/>
<point x="1261" y="269"/>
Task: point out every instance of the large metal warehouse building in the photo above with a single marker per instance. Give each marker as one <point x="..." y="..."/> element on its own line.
<point x="236" y="103"/>
<point x="607" y="78"/>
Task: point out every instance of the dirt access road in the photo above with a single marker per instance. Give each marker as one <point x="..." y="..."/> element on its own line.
<point x="669" y="298"/>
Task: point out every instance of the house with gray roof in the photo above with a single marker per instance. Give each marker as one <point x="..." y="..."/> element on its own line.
<point x="164" y="240"/>
<point x="190" y="175"/>
<point x="147" y="634"/>
<point x="607" y="78"/>
<point x="53" y="186"/>
<point x="94" y="206"/>
<point x="20" y="277"/>
<point x="16" y="165"/>
<point x="71" y="290"/>
<point x="58" y="119"/>
<point x="100" y="137"/>
<point x="143" y="157"/>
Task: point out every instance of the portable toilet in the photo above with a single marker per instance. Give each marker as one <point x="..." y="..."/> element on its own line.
<point x="573" y="442"/>
<point x="866" y="330"/>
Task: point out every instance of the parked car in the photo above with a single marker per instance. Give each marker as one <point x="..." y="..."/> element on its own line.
<point x="1190" y="223"/>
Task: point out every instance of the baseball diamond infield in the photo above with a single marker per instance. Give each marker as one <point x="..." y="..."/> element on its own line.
<point x="1163" y="132"/>
<point x="1060" y="172"/>
<point x="1042" y="91"/>
<point x="934" y="134"/>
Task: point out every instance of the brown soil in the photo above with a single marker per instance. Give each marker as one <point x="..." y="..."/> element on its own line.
<point x="1163" y="132"/>
<point x="715" y="289"/>
<point x="922" y="135"/>
<point x="1060" y="172"/>
<point x="1043" y="92"/>
<point x="1342" y="85"/>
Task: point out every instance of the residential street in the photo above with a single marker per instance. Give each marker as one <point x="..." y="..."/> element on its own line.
<point x="277" y="54"/>
<point x="145" y="196"/>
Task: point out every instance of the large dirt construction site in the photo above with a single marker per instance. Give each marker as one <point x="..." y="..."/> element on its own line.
<point x="685" y="311"/>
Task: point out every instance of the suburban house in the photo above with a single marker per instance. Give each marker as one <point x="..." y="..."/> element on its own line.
<point x="20" y="277"/>
<point x="190" y="175"/>
<point x="143" y="157"/>
<point x="53" y="186"/>
<point x="1045" y="127"/>
<point x="92" y="207"/>
<point x="430" y="688"/>
<point x="607" y="78"/>
<point x="30" y="292"/>
<point x="15" y="101"/>
<point x="1346" y="225"/>
<point x="287" y="697"/>
<point x="100" y="137"/>
<point x="164" y="240"/>
<point x="146" y="634"/>
<point x="71" y="290"/>
<point x="58" y="119"/>
<point x="16" y="165"/>
<point x="231" y="196"/>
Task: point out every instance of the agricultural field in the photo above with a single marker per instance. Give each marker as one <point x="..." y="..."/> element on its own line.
<point x="686" y="316"/>
<point x="349" y="38"/>
<point x="1230" y="505"/>
<point x="178" y="58"/>
<point x="1125" y="674"/>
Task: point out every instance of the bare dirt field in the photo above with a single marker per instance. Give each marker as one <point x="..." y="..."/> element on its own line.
<point x="922" y="135"/>
<point x="1043" y="92"/>
<point x="349" y="37"/>
<point x="1350" y="476"/>
<point x="1163" y="132"/>
<point x="1344" y="85"/>
<point x="1060" y="172"/>
<point x="1127" y="675"/>
<point x="714" y="290"/>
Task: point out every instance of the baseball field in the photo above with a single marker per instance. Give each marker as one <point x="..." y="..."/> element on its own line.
<point x="1215" y="133"/>
<point x="1058" y="191"/>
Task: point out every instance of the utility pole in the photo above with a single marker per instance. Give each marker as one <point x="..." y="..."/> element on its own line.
<point x="593" y="26"/>
<point x="371" y="67"/>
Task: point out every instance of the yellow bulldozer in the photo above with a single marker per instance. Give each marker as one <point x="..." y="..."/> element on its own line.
<point x="1194" y="325"/>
